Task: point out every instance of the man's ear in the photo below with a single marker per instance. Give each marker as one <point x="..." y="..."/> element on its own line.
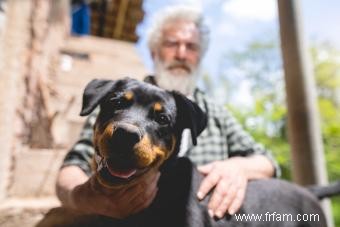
<point x="94" y="92"/>
<point x="189" y="115"/>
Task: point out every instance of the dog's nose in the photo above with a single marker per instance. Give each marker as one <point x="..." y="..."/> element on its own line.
<point x="124" y="137"/>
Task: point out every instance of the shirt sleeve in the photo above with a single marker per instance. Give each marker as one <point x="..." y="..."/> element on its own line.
<point x="81" y="154"/>
<point x="240" y="143"/>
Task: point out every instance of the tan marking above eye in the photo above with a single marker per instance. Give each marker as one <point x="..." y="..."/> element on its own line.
<point x="157" y="107"/>
<point x="128" y="95"/>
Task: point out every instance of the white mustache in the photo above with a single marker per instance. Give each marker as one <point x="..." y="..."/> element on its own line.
<point x="179" y="64"/>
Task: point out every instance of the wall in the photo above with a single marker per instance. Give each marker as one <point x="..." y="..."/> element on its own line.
<point x="31" y="33"/>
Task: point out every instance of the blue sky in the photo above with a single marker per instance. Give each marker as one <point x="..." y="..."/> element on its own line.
<point x="321" y="20"/>
<point x="234" y="23"/>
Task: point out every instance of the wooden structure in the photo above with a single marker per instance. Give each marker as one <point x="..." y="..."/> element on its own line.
<point x="116" y="19"/>
<point x="38" y="102"/>
<point x="309" y="166"/>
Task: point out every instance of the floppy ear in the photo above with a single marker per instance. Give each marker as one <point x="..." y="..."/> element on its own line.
<point x="189" y="115"/>
<point x="93" y="94"/>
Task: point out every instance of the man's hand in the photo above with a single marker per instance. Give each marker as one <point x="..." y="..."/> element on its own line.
<point x="86" y="197"/>
<point x="229" y="181"/>
<point x="119" y="204"/>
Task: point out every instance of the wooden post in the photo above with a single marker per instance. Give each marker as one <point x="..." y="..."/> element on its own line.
<point x="305" y="138"/>
<point x="119" y="26"/>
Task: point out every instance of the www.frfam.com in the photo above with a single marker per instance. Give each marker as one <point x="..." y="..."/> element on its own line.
<point x="274" y="216"/>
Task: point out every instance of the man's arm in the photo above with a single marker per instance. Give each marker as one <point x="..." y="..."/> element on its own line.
<point x="68" y="178"/>
<point x="256" y="166"/>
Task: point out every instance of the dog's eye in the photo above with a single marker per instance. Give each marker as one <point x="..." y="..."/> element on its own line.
<point x="162" y="119"/>
<point x="119" y="103"/>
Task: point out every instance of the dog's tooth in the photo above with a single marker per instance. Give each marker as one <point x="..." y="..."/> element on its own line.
<point x="99" y="160"/>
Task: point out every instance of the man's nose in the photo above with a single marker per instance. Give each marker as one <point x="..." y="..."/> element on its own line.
<point x="181" y="52"/>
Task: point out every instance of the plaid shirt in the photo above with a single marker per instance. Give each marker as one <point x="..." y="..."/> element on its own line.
<point x="223" y="138"/>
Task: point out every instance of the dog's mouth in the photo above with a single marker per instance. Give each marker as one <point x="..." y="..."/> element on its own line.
<point x="110" y="175"/>
<point x="127" y="165"/>
<point x="115" y="177"/>
<point x="123" y="174"/>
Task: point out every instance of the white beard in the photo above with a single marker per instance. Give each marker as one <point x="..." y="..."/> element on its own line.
<point x="184" y="83"/>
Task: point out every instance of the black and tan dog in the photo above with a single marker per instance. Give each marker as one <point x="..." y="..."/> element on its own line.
<point x="138" y="131"/>
<point x="137" y="128"/>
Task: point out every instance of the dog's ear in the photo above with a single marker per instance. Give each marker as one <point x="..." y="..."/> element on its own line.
<point x="150" y="80"/>
<point x="189" y="115"/>
<point x="93" y="94"/>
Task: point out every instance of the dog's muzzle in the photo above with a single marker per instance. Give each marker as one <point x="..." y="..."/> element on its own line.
<point x="125" y="153"/>
<point x="119" y="140"/>
<point x="124" y="137"/>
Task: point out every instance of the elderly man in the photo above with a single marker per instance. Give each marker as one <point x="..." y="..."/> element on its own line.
<point x="226" y="155"/>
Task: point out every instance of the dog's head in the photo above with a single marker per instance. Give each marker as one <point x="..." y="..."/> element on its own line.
<point x="138" y="127"/>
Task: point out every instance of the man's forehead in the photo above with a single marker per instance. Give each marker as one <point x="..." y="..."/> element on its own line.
<point x="181" y="30"/>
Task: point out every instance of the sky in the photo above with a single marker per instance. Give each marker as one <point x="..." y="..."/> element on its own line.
<point x="234" y="23"/>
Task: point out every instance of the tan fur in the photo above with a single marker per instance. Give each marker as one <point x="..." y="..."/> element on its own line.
<point x="101" y="138"/>
<point x="128" y="95"/>
<point x="157" y="107"/>
<point x="147" y="153"/>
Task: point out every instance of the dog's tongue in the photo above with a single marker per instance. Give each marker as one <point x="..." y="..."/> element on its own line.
<point x="122" y="174"/>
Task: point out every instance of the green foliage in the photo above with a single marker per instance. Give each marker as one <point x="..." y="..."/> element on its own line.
<point x="262" y="131"/>
<point x="336" y="210"/>
<point x="326" y="61"/>
<point x="266" y="119"/>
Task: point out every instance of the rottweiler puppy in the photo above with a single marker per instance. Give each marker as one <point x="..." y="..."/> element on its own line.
<point x="137" y="131"/>
<point x="137" y="128"/>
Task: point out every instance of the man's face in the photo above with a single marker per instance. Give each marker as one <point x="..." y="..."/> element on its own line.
<point x="180" y="47"/>
<point x="178" y="56"/>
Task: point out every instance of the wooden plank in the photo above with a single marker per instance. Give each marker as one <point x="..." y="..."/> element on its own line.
<point x="123" y="6"/>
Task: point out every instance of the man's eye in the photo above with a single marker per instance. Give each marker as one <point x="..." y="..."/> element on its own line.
<point x="162" y="119"/>
<point x="170" y="44"/>
<point x="193" y="46"/>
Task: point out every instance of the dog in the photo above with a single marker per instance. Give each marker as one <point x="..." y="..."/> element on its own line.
<point x="137" y="131"/>
<point x="137" y="128"/>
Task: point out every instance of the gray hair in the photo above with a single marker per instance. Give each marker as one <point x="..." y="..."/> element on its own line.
<point x="173" y="14"/>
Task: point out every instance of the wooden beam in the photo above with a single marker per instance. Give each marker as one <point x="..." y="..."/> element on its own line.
<point x="303" y="115"/>
<point x="120" y="20"/>
<point x="309" y="166"/>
